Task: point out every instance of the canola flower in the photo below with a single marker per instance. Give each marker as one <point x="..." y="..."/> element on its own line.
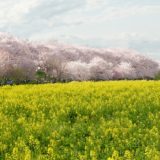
<point x="116" y="120"/>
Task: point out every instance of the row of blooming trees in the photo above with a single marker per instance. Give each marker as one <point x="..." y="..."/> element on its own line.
<point x="24" y="62"/>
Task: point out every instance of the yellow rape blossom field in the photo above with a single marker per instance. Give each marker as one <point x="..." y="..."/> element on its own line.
<point x="116" y="120"/>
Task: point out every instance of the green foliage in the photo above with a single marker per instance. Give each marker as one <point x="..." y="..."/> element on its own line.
<point x="40" y="75"/>
<point x="157" y="76"/>
<point x="81" y="121"/>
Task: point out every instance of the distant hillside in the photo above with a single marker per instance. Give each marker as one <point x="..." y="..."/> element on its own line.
<point x="22" y="59"/>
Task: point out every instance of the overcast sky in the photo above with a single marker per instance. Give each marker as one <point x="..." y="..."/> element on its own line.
<point x="98" y="23"/>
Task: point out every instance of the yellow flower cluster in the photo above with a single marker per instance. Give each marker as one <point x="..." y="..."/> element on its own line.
<point x="115" y="120"/>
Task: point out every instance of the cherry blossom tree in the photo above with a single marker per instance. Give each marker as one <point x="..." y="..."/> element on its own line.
<point x="21" y="59"/>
